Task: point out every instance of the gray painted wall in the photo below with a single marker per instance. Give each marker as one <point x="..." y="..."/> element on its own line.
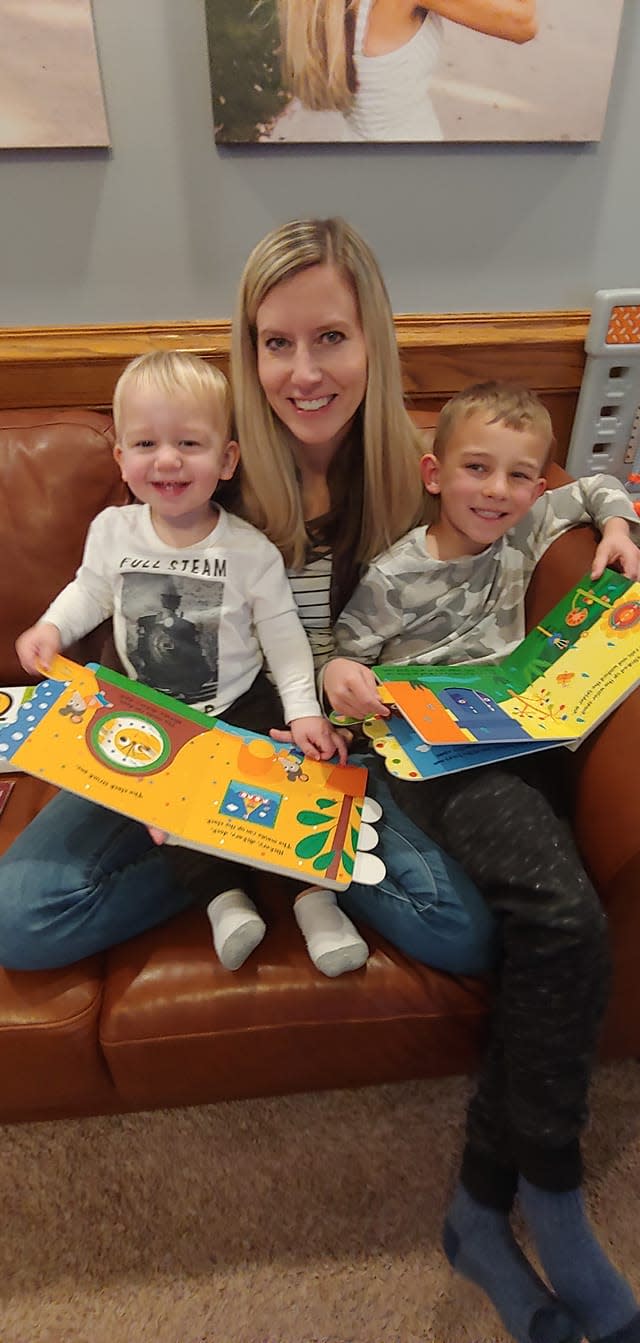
<point x="158" y="229"/>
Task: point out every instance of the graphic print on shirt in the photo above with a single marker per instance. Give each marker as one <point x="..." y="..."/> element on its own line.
<point x="172" y="630"/>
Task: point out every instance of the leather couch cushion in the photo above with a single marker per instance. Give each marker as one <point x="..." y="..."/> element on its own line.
<point x="49" y="1056"/>
<point x="177" y="1028"/>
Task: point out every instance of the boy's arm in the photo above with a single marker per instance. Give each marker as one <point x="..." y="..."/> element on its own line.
<point x="88" y="599"/>
<point x="286" y="647"/>
<point x="282" y="638"/>
<point x="79" y="608"/>
<point x="600" y="500"/>
<point x="372" y="616"/>
<point x="617" y="550"/>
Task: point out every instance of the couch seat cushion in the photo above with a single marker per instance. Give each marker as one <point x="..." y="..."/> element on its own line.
<point x="179" y="1029"/>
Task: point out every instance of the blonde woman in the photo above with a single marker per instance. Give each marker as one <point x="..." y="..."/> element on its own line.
<point x="373" y="60"/>
<point x="330" y="472"/>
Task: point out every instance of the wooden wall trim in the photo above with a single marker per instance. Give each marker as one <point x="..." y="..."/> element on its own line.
<point x="78" y="366"/>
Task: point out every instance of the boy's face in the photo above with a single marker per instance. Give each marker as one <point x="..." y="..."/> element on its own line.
<point x="172" y="451"/>
<point x="488" y="480"/>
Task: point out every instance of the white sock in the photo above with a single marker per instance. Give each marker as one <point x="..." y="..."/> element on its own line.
<point x="237" y="927"/>
<point x="334" y="945"/>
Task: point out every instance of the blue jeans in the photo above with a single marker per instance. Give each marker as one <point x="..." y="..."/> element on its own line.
<point x="426" y="905"/>
<point x="81" y="879"/>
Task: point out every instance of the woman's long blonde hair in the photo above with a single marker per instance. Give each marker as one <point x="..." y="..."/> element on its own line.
<point x="317" y="52"/>
<point x="388" y="455"/>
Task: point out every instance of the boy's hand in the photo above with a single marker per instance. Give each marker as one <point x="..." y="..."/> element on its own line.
<point x="318" y="738"/>
<point x="616" y="550"/>
<point x="38" y="646"/>
<point x="353" y="690"/>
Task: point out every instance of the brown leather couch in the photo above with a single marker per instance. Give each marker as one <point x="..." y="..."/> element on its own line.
<point x="156" y="1021"/>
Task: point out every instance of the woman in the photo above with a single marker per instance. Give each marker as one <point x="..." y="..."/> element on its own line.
<point x="373" y="60"/>
<point x="330" y="471"/>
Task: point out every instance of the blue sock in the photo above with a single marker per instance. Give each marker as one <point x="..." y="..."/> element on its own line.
<point x="577" y="1266"/>
<point x="479" y="1243"/>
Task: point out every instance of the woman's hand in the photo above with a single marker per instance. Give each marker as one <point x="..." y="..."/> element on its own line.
<point x="318" y="738"/>
<point x="37" y="647"/>
<point x="353" y="690"/>
<point x="616" y="550"/>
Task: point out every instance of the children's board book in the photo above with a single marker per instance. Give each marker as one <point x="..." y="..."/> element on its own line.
<point x="565" y="677"/>
<point x="11" y="697"/>
<point x="210" y="786"/>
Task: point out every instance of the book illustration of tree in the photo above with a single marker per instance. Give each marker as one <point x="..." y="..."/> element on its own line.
<point x="334" y="840"/>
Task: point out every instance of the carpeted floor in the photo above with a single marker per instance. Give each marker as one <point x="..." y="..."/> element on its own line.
<point x="309" y="1219"/>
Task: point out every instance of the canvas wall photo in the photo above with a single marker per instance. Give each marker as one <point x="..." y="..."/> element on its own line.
<point x="340" y="71"/>
<point x="50" y="88"/>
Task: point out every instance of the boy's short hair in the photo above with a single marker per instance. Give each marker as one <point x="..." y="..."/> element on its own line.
<point x="503" y="403"/>
<point x="176" y="371"/>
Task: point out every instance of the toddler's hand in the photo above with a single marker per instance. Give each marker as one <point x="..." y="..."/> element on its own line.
<point x="158" y="836"/>
<point x="318" y="738"/>
<point x="37" y="646"/>
<point x="352" y="689"/>
<point x="616" y="550"/>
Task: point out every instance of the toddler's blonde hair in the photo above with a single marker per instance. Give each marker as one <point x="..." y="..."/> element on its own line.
<point x="175" y="372"/>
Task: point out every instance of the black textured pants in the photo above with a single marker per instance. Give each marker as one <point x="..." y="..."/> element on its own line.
<point x="505" y="825"/>
<point x="203" y="874"/>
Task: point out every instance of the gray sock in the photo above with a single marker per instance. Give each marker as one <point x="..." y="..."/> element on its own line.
<point x="334" y="945"/>
<point x="577" y="1266"/>
<point x="480" y="1245"/>
<point x="237" y="927"/>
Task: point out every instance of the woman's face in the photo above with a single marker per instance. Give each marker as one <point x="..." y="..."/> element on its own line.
<point x="312" y="356"/>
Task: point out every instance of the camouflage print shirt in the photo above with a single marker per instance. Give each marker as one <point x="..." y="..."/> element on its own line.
<point x="411" y="608"/>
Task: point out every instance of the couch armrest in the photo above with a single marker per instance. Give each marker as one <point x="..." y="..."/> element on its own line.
<point x="605" y="775"/>
<point x="606" y="769"/>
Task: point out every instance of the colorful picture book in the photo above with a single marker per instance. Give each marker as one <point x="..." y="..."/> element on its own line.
<point x="11" y="697"/>
<point x="565" y="677"/>
<point x="210" y="786"/>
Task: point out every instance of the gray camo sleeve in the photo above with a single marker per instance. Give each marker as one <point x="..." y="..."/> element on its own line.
<point x="372" y="616"/>
<point x="592" y="499"/>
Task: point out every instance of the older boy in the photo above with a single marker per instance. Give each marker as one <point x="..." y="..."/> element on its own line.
<point x="452" y="593"/>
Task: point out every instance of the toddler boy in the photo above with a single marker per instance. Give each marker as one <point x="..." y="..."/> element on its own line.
<point x="198" y="598"/>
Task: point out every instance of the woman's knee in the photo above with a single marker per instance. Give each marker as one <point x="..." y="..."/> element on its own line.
<point x="24" y="944"/>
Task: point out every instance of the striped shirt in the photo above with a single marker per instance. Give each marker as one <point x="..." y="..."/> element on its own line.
<point x="311" y="588"/>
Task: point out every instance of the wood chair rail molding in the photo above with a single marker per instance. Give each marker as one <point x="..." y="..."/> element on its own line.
<point x="78" y="366"/>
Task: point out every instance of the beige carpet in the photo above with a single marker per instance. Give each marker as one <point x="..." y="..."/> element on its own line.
<point x="309" y="1219"/>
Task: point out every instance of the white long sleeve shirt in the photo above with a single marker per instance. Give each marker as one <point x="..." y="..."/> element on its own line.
<point x="195" y="623"/>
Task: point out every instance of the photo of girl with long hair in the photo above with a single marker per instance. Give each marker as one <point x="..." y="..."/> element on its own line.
<point x="376" y="71"/>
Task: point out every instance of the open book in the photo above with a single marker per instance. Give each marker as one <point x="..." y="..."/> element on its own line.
<point x="11" y="697"/>
<point x="564" y="678"/>
<point x="211" y="786"/>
